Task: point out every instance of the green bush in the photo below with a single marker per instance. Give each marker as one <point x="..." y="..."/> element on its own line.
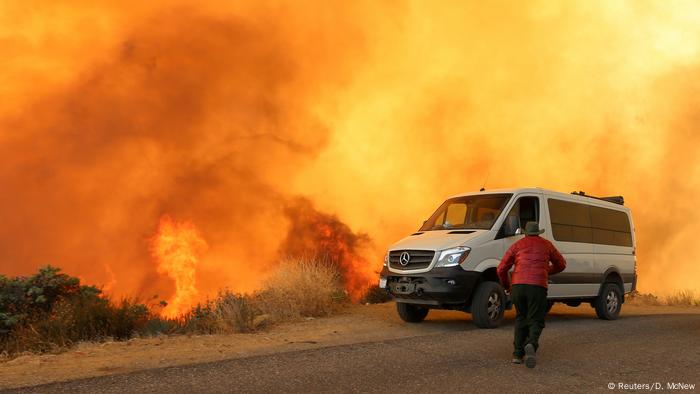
<point x="24" y="299"/>
<point x="51" y="310"/>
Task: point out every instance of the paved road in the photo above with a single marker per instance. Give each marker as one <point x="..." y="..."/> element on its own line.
<point x="578" y="353"/>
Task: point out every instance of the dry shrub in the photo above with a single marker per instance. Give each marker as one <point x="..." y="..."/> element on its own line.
<point x="76" y="319"/>
<point x="375" y="295"/>
<point x="683" y="298"/>
<point x="301" y="288"/>
<point x="235" y="311"/>
<point x="680" y="298"/>
<point x="229" y="312"/>
<point x="298" y="288"/>
<point x="642" y="299"/>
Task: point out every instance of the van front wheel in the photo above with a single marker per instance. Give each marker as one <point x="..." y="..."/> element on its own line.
<point x="488" y="304"/>
<point x="411" y="313"/>
<point x="609" y="302"/>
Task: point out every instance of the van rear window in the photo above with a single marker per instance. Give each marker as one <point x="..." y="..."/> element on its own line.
<point x="575" y="222"/>
<point x="610" y="227"/>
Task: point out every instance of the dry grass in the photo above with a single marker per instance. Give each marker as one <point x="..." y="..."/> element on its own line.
<point x="679" y="298"/>
<point x="642" y="299"/>
<point x="236" y="311"/>
<point x="683" y="298"/>
<point x="229" y="312"/>
<point x="297" y="289"/>
<point x="304" y="288"/>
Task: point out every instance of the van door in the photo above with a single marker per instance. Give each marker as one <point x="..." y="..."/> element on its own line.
<point x="526" y="208"/>
<point x="568" y="226"/>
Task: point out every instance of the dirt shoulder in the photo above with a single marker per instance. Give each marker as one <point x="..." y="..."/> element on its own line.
<point x="355" y="324"/>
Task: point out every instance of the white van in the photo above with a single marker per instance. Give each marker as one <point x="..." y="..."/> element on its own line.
<point x="450" y="263"/>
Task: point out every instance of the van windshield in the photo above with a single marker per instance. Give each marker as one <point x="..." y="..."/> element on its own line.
<point x="477" y="212"/>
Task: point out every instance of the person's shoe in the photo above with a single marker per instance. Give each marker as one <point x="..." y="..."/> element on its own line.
<point x="517" y="360"/>
<point x="530" y="359"/>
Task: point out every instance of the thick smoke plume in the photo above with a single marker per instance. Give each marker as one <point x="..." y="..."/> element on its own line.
<point x="114" y="115"/>
<point x="324" y="237"/>
<point x="199" y="117"/>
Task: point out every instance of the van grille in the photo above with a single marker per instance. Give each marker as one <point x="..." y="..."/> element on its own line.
<point x="419" y="259"/>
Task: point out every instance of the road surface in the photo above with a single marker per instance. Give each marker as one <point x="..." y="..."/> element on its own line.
<point x="578" y="353"/>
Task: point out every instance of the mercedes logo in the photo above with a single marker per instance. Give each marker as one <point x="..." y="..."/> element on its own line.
<point x="404" y="259"/>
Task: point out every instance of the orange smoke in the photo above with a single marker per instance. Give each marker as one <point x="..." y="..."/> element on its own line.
<point x="313" y="234"/>
<point x="371" y="112"/>
<point x="177" y="248"/>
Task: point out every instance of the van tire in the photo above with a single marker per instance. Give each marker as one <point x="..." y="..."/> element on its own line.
<point x="488" y="294"/>
<point x="609" y="302"/>
<point x="411" y="313"/>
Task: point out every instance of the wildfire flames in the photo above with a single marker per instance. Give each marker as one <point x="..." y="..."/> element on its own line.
<point x="177" y="248"/>
<point x="325" y="237"/>
<point x="330" y="129"/>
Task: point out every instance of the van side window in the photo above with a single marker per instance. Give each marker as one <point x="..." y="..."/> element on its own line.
<point x="526" y="209"/>
<point x="610" y="227"/>
<point x="571" y="222"/>
<point x="574" y="222"/>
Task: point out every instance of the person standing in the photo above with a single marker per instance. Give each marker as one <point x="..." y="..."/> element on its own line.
<point x="531" y="257"/>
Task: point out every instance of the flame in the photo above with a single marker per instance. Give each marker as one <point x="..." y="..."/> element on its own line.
<point x="323" y="236"/>
<point x="177" y="248"/>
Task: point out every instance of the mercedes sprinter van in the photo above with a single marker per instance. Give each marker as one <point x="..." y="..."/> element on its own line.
<point x="450" y="262"/>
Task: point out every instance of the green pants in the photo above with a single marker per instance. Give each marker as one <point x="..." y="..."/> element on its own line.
<point x="530" y="303"/>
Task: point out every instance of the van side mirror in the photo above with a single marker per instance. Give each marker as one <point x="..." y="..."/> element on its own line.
<point x="518" y="231"/>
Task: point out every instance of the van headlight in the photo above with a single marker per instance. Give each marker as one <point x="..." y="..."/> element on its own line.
<point x="386" y="258"/>
<point x="453" y="257"/>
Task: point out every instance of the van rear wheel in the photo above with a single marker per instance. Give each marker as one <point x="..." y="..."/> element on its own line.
<point x="488" y="304"/>
<point x="609" y="302"/>
<point x="411" y="313"/>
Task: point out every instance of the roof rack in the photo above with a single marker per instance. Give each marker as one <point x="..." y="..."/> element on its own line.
<point x="613" y="199"/>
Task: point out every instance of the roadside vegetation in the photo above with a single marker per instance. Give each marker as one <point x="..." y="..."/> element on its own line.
<point x="679" y="298"/>
<point x="375" y="295"/>
<point x="51" y="311"/>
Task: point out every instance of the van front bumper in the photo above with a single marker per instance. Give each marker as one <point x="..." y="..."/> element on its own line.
<point x="440" y="287"/>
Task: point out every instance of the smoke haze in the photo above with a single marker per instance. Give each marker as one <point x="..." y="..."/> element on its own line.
<point x="260" y="121"/>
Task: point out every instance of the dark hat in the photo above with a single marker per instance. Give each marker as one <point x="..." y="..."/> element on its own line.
<point x="532" y="228"/>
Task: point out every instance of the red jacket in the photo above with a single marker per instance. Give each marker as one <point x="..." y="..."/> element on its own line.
<point x="531" y="256"/>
